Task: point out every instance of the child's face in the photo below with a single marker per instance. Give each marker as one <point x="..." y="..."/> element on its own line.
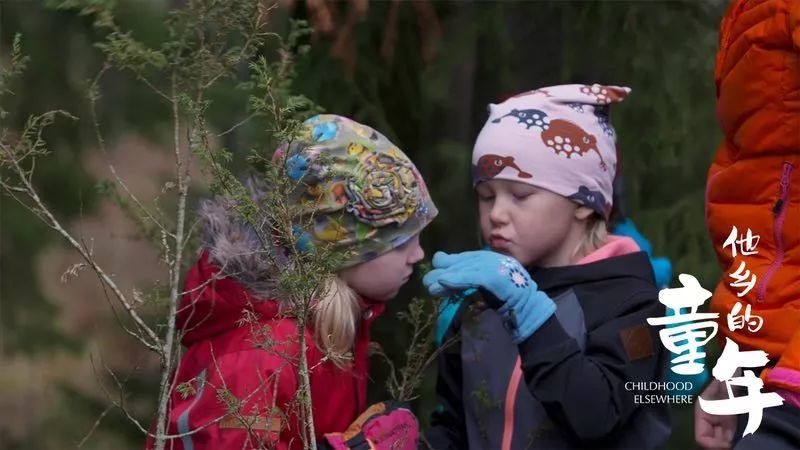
<point x="381" y="278"/>
<point x="535" y="226"/>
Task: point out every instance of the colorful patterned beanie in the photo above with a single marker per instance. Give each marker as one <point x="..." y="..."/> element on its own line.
<point x="359" y="192"/>
<point x="557" y="138"/>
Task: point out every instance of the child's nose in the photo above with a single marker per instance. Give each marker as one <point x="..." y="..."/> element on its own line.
<point x="498" y="214"/>
<point x="417" y="254"/>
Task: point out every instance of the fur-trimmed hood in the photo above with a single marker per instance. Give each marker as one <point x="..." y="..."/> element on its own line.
<point x="234" y="246"/>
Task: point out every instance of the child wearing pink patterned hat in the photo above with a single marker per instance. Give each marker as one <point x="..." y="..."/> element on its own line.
<point x="554" y="348"/>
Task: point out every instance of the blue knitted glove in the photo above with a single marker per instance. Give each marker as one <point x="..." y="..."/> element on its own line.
<point x="523" y="306"/>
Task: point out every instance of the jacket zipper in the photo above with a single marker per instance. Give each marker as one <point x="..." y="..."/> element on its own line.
<point x="779" y="210"/>
<point x="511" y="397"/>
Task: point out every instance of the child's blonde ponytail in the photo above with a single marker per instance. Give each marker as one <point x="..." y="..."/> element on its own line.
<point x="335" y="320"/>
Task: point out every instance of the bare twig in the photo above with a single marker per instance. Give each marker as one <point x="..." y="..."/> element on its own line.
<point x="95" y="425"/>
<point x="174" y="273"/>
<point x="101" y="142"/>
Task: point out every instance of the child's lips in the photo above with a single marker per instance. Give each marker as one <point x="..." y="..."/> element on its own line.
<point x="499" y="242"/>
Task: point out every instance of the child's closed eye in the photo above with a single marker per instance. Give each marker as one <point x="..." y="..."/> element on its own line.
<point x="521" y="196"/>
<point x="484" y="195"/>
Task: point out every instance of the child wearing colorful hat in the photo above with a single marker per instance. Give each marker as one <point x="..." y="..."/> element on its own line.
<point x="358" y="195"/>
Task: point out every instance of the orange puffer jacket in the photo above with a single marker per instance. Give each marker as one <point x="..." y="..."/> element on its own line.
<point x="754" y="181"/>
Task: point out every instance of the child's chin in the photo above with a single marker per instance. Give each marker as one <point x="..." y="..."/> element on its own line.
<point x="388" y="296"/>
<point x="502" y="250"/>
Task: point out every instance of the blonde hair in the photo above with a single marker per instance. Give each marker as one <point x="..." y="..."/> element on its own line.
<point x="335" y="320"/>
<point x="595" y="237"/>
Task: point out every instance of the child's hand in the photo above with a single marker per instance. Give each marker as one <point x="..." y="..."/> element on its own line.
<point x="523" y="306"/>
<point x="501" y="275"/>
<point x="383" y="426"/>
<point x="712" y="432"/>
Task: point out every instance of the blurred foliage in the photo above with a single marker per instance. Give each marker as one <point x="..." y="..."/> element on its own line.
<point x="62" y="61"/>
<point x="432" y="108"/>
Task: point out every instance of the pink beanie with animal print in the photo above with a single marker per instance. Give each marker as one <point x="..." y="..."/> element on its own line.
<point x="557" y="138"/>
